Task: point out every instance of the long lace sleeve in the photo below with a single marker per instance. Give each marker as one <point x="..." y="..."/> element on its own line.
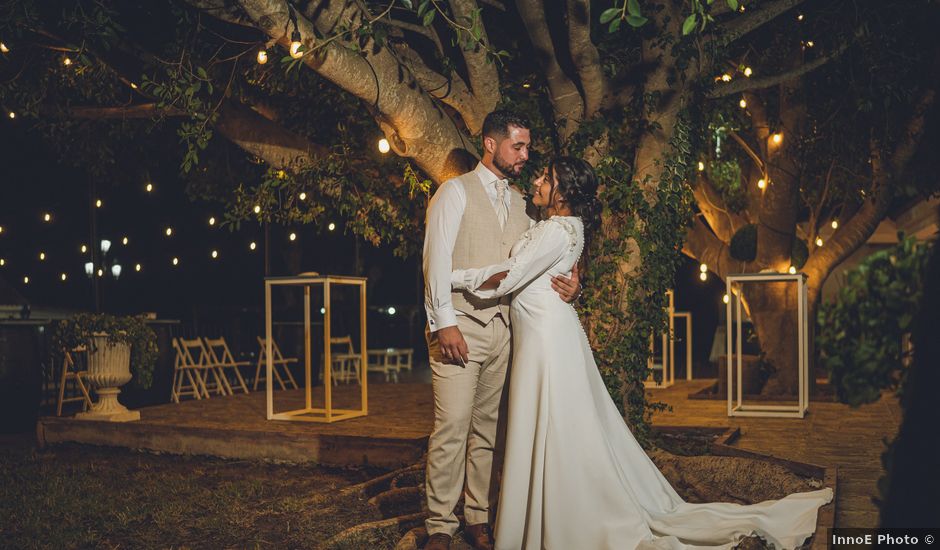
<point x="545" y="245"/>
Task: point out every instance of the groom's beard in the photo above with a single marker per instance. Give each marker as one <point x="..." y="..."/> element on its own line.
<point x="507" y="169"/>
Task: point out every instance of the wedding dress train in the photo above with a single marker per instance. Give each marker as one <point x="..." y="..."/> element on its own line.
<point x="574" y="477"/>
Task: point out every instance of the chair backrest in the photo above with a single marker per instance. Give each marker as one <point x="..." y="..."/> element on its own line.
<point x="275" y="350"/>
<point x="192" y="352"/>
<point x="75" y="359"/>
<point x="218" y="351"/>
<point x="344" y="343"/>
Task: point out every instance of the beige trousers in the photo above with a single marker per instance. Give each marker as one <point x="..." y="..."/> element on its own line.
<point x="466" y="410"/>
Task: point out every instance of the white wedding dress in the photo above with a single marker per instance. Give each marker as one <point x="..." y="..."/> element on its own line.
<point x="574" y="477"/>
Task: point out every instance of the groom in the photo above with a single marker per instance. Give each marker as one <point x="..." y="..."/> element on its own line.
<point x="473" y="221"/>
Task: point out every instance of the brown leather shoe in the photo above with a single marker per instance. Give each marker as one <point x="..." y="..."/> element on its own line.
<point x="438" y="541"/>
<point x="480" y="536"/>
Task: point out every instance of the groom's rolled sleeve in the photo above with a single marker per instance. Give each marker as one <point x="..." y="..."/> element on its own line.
<point x="445" y="212"/>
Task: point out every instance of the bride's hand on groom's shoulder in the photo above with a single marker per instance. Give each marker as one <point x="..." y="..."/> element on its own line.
<point x="569" y="289"/>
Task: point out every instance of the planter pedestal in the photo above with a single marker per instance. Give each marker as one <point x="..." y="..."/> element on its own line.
<point x="108" y="370"/>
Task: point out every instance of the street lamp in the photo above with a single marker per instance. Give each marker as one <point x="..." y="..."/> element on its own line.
<point x="105" y="246"/>
<point x="116" y="270"/>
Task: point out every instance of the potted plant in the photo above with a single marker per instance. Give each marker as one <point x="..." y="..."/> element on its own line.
<point x="115" y="345"/>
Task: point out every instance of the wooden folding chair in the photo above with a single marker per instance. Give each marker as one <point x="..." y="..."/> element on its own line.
<point x="278" y="360"/>
<point x="75" y="372"/>
<point x="346" y="363"/>
<point x="220" y="355"/>
<point x="187" y="375"/>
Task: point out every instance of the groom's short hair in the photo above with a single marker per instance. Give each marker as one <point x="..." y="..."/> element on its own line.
<point x="496" y="124"/>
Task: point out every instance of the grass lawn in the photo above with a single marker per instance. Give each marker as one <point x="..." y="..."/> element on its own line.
<point x="74" y="496"/>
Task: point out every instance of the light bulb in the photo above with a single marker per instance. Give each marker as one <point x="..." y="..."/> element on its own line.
<point x="63" y="276"/>
<point x="138" y="267"/>
<point x="169" y="231"/>
<point x="100" y="272"/>
<point x="105" y="246"/>
<point x="810" y="43"/>
<point x="215" y="254"/>
<point x="701" y="166"/>
<point x="1" y="229"/>
<point x="84" y="249"/>
<point x="799" y="17"/>
<point x="392" y="310"/>
<point x="332" y="226"/>
<point x="835" y="224"/>
<point x="4" y="48"/>
<point x="819" y="241"/>
<point x="12" y="115"/>
<point x="726" y="77"/>
<point x="322" y="310"/>
<point x="211" y="220"/>
<point x="149" y="187"/>
<point x="295" y="49"/>
<point x="302" y="196"/>
<point x="98" y="203"/>
<point x="725" y="299"/>
<point x="66" y="61"/>
<point x="125" y="240"/>
<point x="116" y="270"/>
<point x="384" y="147"/>
<point x="42" y="256"/>
<point x="761" y="183"/>
<point x="47" y="217"/>
<point x="292" y="236"/>
<point x="257" y="209"/>
<point x="792" y="270"/>
<point x="133" y="86"/>
<point x="252" y="246"/>
<point x="743" y="103"/>
<point x="526" y="85"/>
<point x="176" y="261"/>
<point x="703" y="276"/>
<point x="26" y="280"/>
<point x="262" y="57"/>
<point x="777" y="138"/>
<point x="89" y="269"/>
<point x="703" y="268"/>
<point x="3" y="262"/>
<point x="748" y="72"/>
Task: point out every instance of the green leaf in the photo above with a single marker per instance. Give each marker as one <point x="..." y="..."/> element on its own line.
<point x="609" y="14"/>
<point x="733" y="4"/>
<point x="633" y="8"/>
<point x="423" y="7"/>
<point x="689" y="24"/>
<point x="614" y="25"/>
<point x="407" y="4"/>
<point x="636" y="22"/>
<point x="429" y="18"/>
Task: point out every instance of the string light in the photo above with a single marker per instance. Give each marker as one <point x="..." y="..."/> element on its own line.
<point x="819" y="241"/>
<point x="703" y="268"/>
<point x="292" y="236"/>
<point x="703" y="276"/>
<point x="176" y="261"/>
<point x="322" y="310"/>
<point x="302" y="196"/>
<point x="725" y="299"/>
<point x="332" y="226"/>
<point x="257" y="209"/>
<point x="777" y="138"/>
<point x="149" y="187"/>
<point x="761" y="183"/>
<point x="384" y="147"/>
<point x="252" y="245"/>
<point x="1" y="229"/>
<point x="12" y="115"/>
<point x="741" y="8"/>
<point x="133" y="86"/>
<point x="701" y="166"/>
<point x="169" y="231"/>
<point x="84" y="249"/>
<point x="799" y="17"/>
<point x="66" y="61"/>
<point x="89" y="269"/>
<point x="116" y="271"/>
<point x="3" y="262"/>
<point x="63" y="276"/>
<point x="98" y="203"/>
<point x="4" y="48"/>
<point x="100" y="272"/>
<point x="42" y="256"/>
<point x="526" y="85"/>
<point x="211" y="220"/>
<point x="47" y="217"/>
<point x="26" y="280"/>
<point x="810" y="43"/>
<point x="743" y="103"/>
<point x="215" y="254"/>
<point x="726" y="77"/>
<point x="835" y="224"/>
<point x="262" y="57"/>
<point x="392" y="310"/>
<point x="125" y="240"/>
<point x="138" y="267"/>
<point x="792" y="270"/>
<point x="748" y="72"/>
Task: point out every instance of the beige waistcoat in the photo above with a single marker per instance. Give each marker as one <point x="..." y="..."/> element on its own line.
<point x="481" y="242"/>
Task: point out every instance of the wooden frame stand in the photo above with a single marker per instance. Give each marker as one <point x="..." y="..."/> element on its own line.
<point x="310" y="413"/>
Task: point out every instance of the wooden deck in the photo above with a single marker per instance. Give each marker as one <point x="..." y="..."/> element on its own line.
<point x="832" y="434"/>
<point x="394" y="433"/>
<point x="401" y="417"/>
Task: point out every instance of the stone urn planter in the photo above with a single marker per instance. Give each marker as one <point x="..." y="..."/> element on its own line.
<point x="109" y="368"/>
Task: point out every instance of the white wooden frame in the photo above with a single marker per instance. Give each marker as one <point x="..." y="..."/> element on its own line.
<point x="310" y="413"/>
<point x="668" y="346"/>
<point x="736" y="407"/>
<point x="687" y="315"/>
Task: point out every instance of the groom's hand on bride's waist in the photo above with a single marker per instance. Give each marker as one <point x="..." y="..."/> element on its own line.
<point x="454" y="348"/>
<point x="568" y="288"/>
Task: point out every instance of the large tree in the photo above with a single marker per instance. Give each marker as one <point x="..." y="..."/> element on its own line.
<point x="630" y="85"/>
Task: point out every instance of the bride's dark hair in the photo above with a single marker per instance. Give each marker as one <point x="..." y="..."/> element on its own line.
<point x="575" y="180"/>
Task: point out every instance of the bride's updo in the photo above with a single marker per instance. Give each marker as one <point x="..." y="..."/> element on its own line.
<point x="574" y="179"/>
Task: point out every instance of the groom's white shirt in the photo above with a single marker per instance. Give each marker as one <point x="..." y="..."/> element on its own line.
<point x="445" y="212"/>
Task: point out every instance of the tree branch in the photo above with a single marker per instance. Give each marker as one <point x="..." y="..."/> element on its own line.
<point x="585" y="57"/>
<point x="702" y="245"/>
<point x="722" y="221"/>
<point x="144" y="110"/>
<point x="481" y="70"/>
<point x="749" y="84"/>
<point x="752" y="20"/>
<point x="427" y="32"/>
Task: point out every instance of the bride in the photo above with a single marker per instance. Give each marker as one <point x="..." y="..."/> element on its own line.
<point x="574" y="477"/>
